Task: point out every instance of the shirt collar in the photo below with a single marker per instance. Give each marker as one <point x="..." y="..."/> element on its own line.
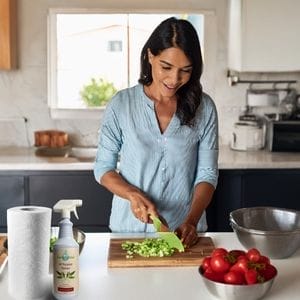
<point x="147" y="100"/>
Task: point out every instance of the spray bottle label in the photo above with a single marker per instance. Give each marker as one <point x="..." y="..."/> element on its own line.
<point x="66" y="275"/>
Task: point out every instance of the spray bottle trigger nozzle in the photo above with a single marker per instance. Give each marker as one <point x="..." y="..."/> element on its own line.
<point x="67" y="206"/>
<point x="75" y="212"/>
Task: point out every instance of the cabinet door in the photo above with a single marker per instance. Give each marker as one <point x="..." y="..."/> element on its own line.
<point x="11" y="194"/>
<point x="8" y="34"/>
<point x="279" y="188"/>
<point x="46" y="188"/>
<point x="227" y="198"/>
<point x="263" y="35"/>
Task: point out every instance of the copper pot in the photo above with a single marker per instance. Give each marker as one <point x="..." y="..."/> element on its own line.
<point x="51" y="138"/>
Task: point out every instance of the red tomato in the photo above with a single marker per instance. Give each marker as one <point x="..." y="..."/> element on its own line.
<point x="237" y="253"/>
<point x="219" y="264"/>
<point x="251" y="276"/>
<point x="219" y="251"/>
<point x="206" y="263"/>
<point x="242" y="265"/>
<point x="214" y="276"/>
<point x="264" y="259"/>
<point x="233" y="277"/>
<point x="268" y="272"/>
<point x="253" y="255"/>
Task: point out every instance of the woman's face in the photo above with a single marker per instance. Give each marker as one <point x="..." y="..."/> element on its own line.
<point x="171" y="69"/>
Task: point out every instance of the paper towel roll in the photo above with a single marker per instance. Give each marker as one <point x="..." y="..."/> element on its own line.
<point x="28" y="251"/>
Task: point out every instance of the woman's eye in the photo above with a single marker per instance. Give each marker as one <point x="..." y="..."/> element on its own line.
<point x="166" y="68"/>
<point x="187" y="71"/>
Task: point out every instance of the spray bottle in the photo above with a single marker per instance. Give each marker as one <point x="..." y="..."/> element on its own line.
<point x="66" y="253"/>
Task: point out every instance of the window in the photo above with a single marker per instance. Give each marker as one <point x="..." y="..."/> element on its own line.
<point x="92" y="55"/>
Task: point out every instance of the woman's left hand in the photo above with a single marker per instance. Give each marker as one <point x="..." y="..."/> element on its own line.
<point x="188" y="234"/>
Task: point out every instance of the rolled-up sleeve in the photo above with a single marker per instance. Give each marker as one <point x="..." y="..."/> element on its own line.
<point x="110" y="140"/>
<point x="207" y="167"/>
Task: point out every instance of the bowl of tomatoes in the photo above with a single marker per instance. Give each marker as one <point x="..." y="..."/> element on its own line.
<point x="237" y="274"/>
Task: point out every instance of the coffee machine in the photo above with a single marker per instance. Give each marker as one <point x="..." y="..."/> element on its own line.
<point x="275" y="104"/>
<point x="262" y="107"/>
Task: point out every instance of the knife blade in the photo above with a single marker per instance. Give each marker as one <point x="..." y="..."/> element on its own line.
<point x="164" y="232"/>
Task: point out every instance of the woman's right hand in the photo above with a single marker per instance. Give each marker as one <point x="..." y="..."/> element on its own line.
<point x="142" y="207"/>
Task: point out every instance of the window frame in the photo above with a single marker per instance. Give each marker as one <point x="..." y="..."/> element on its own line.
<point x="96" y="113"/>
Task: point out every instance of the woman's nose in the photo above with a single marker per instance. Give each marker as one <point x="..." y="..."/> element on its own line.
<point x="175" y="77"/>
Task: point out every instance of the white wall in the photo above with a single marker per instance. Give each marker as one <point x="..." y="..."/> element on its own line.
<point x="23" y="92"/>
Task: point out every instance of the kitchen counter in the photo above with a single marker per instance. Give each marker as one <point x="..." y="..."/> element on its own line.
<point x="12" y="158"/>
<point x="261" y="159"/>
<point x="97" y="281"/>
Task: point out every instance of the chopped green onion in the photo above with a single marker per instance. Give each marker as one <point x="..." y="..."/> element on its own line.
<point x="149" y="247"/>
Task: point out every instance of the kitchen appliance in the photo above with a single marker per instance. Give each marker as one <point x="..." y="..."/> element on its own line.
<point x="262" y="105"/>
<point x="248" y="133"/>
<point x="192" y="256"/>
<point x="280" y="103"/>
<point x="283" y="135"/>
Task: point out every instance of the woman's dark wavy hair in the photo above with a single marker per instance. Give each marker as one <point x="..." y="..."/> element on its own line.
<point x="181" y="34"/>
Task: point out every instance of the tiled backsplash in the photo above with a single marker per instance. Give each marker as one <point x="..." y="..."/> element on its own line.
<point x="14" y="132"/>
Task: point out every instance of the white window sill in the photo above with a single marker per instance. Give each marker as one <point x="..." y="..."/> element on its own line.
<point x="92" y="113"/>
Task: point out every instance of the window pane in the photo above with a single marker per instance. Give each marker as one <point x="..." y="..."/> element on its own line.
<point x="103" y="47"/>
<point x="83" y="53"/>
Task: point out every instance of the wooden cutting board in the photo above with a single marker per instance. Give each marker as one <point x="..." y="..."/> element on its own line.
<point x="3" y="255"/>
<point x="191" y="257"/>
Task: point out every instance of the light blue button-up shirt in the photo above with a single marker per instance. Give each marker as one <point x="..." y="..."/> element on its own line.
<point x="166" y="166"/>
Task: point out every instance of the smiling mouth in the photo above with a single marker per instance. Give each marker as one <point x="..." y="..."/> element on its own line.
<point x="172" y="88"/>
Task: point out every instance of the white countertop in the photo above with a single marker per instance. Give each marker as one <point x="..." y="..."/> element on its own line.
<point x="97" y="281"/>
<point x="260" y="159"/>
<point x="12" y="158"/>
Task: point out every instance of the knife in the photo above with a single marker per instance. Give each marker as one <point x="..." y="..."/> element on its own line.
<point x="164" y="233"/>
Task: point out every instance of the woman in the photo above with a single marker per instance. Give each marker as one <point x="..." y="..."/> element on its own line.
<point x="165" y="132"/>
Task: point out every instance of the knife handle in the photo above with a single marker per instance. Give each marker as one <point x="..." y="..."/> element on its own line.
<point x="164" y="227"/>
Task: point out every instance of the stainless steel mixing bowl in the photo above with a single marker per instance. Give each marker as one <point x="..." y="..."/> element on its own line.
<point x="275" y="232"/>
<point x="237" y="292"/>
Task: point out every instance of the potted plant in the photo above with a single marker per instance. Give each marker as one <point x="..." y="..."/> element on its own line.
<point x="97" y="92"/>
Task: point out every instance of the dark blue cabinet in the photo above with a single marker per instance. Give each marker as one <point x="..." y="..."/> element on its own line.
<point x="236" y="189"/>
<point x="12" y="193"/>
<point x="252" y="187"/>
<point x="46" y="188"/>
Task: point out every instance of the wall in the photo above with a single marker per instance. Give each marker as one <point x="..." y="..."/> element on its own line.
<point x="23" y="92"/>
